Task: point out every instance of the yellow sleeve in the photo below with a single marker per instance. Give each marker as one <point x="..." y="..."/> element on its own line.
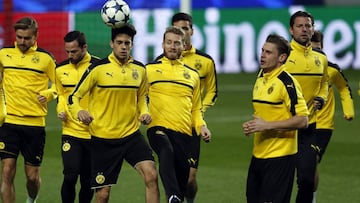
<point x="210" y="87"/>
<point x="142" y="94"/>
<point x="197" y="116"/>
<point x="324" y="86"/>
<point x="345" y="94"/>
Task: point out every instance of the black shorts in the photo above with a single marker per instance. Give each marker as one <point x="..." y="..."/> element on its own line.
<point x="194" y="150"/>
<point x="323" y="137"/>
<point x="107" y="156"/>
<point x="270" y="180"/>
<point x="75" y="155"/>
<point x="29" y="140"/>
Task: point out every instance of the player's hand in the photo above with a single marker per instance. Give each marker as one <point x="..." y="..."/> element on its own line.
<point x="205" y="134"/>
<point x="145" y="119"/>
<point x="85" y="117"/>
<point x="42" y="99"/>
<point x="62" y="116"/>
<point x="319" y="103"/>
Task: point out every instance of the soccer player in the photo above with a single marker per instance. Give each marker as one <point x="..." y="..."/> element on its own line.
<point x="205" y="66"/>
<point x="175" y="106"/>
<point x="309" y="67"/>
<point x="279" y="109"/>
<point x="27" y="71"/>
<point x="75" y="135"/>
<point x="325" y="116"/>
<point x="117" y="104"/>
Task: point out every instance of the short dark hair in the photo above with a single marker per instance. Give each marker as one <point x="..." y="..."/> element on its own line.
<point x="281" y="43"/>
<point x="175" y="30"/>
<point x="182" y="16"/>
<point x="125" y="29"/>
<point x="300" y="14"/>
<point x="75" y="35"/>
<point x="318" y="37"/>
<point x="26" y="23"/>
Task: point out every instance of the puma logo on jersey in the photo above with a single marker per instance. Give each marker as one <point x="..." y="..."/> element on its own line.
<point x="291" y="85"/>
<point x="67" y="74"/>
<point x="159" y="71"/>
<point x="109" y="74"/>
<point x="292" y="61"/>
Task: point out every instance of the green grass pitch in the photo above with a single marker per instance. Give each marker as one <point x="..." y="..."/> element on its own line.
<point x="224" y="161"/>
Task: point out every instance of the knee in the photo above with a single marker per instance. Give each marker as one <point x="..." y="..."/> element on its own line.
<point x="151" y="177"/>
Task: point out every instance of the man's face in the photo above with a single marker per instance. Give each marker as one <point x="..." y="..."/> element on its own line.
<point x="173" y="45"/>
<point x="185" y="25"/>
<point x="302" y="30"/>
<point x="74" y="51"/>
<point x="25" y="39"/>
<point x="269" y="57"/>
<point x="121" y="47"/>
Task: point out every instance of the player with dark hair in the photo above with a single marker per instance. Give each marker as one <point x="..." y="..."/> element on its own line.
<point x="75" y="135"/>
<point x="325" y="116"/>
<point x="175" y="106"/>
<point x="279" y="109"/>
<point x="117" y="105"/>
<point x="309" y="68"/>
<point x="27" y="72"/>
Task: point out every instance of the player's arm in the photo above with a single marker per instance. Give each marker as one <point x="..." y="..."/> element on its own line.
<point x="324" y="88"/>
<point x="51" y="93"/>
<point x="145" y="117"/>
<point x="211" y="91"/>
<point x="344" y="90"/>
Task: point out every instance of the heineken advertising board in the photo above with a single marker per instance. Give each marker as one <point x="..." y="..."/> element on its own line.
<point x="233" y="37"/>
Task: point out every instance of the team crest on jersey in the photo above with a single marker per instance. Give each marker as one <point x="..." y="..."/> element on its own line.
<point x="66" y="146"/>
<point x="317" y="61"/>
<point x="186" y="75"/>
<point x="100" y="178"/>
<point x="135" y="74"/>
<point x="270" y="90"/>
<point x="35" y="58"/>
<point x="2" y="145"/>
<point x="198" y="64"/>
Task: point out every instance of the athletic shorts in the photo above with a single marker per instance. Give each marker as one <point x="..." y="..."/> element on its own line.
<point x="29" y="140"/>
<point x="75" y="155"/>
<point x="107" y="156"/>
<point x="194" y="150"/>
<point x="270" y="180"/>
<point x="323" y="137"/>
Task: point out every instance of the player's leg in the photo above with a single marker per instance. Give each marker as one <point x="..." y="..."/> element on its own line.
<point x="85" y="193"/>
<point x="9" y="153"/>
<point x="192" y="186"/>
<point x="139" y="155"/>
<point x="253" y="181"/>
<point x="160" y="143"/>
<point x="102" y="194"/>
<point x="306" y="164"/>
<point x="71" y="158"/>
<point x="323" y="137"/>
<point x="33" y="151"/>
<point x="8" y="170"/>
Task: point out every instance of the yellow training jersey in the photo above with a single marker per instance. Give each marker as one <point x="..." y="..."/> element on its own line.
<point x="309" y="67"/>
<point x="174" y="96"/>
<point x="68" y="75"/>
<point x="25" y="76"/>
<point x="205" y="66"/>
<point x="117" y="97"/>
<point x="277" y="96"/>
<point x="325" y="116"/>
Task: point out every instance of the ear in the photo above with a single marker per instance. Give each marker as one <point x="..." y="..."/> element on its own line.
<point x="282" y="58"/>
<point x="111" y="44"/>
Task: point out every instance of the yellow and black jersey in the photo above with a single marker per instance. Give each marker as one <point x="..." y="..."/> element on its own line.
<point x="277" y="96"/>
<point x="309" y="67"/>
<point x="205" y="66"/>
<point x="68" y="75"/>
<point x="325" y="116"/>
<point x="25" y="76"/>
<point x="174" y="96"/>
<point x="117" y="97"/>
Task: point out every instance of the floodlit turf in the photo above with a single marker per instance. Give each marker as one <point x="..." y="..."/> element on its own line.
<point x="224" y="161"/>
